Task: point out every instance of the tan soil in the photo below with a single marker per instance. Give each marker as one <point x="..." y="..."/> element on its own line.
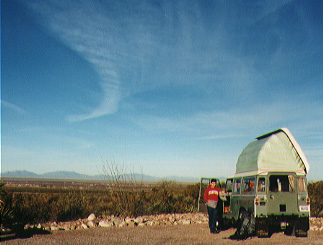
<point x="172" y="234"/>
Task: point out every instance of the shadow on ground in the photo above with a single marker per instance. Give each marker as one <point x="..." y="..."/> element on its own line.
<point x="26" y="233"/>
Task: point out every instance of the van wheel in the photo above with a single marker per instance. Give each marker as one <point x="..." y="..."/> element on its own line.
<point x="290" y="230"/>
<point x="262" y="233"/>
<point x="300" y="230"/>
<point x="301" y="233"/>
<point x="262" y="229"/>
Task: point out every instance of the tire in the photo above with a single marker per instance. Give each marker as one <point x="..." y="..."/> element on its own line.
<point x="290" y="230"/>
<point x="300" y="228"/>
<point x="262" y="229"/>
<point x="262" y="233"/>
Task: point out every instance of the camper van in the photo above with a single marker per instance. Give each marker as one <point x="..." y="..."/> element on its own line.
<point x="268" y="192"/>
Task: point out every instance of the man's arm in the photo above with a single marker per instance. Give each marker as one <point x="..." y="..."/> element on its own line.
<point x="206" y="195"/>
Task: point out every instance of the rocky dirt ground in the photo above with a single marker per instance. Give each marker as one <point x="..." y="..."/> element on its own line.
<point x="168" y="234"/>
<point x="163" y="233"/>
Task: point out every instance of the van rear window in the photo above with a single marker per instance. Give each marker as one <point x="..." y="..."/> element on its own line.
<point x="248" y="185"/>
<point x="281" y="183"/>
<point x="237" y="186"/>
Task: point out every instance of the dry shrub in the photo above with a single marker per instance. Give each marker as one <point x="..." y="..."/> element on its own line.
<point x="120" y="198"/>
<point x="315" y="192"/>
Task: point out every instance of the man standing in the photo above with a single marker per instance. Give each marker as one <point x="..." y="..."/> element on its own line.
<point x="211" y="196"/>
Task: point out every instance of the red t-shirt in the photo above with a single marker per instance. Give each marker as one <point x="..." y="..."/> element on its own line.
<point x="212" y="193"/>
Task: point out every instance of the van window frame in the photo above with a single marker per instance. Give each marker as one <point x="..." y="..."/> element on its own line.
<point x="248" y="185"/>
<point x="281" y="179"/>
<point x="262" y="188"/>
<point x="304" y="190"/>
<point x="227" y="189"/>
<point x="235" y="180"/>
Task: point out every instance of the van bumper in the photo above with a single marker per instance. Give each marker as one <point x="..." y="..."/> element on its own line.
<point x="283" y="222"/>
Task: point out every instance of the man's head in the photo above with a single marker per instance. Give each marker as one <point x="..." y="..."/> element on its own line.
<point x="213" y="183"/>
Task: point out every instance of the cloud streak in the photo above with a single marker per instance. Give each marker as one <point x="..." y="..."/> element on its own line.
<point x="13" y="107"/>
<point x="139" y="47"/>
<point x="224" y="124"/>
<point x="82" y="28"/>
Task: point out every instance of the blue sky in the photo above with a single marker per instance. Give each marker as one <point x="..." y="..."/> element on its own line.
<point x="161" y="87"/>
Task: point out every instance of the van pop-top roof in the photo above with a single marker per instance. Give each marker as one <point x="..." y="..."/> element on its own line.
<point x="275" y="151"/>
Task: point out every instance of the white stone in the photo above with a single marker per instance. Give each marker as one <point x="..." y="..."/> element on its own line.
<point x="47" y="228"/>
<point x="84" y="226"/>
<point x="91" y="217"/>
<point x="150" y="223"/>
<point x="138" y="220"/>
<point x="91" y="224"/>
<point x="53" y="228"/>
<point x="116" y="221"/>
<point x="128" y="220"/>
<point x="105" y="223"/>
<point x="186" y="222"/>
<point x="27" y="226"/>
<point x="122" y="224"/>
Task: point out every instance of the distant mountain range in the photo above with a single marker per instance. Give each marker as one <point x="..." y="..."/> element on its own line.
<point x="77" y="176"/>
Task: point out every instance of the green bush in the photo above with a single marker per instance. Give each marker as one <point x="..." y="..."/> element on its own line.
<point x="315" y="193"/>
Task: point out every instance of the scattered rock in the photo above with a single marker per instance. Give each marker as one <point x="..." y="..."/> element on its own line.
<point x="138" y="220"/>
<point x="141" y="224"/>
<point x="122" y="224"/>
<point x="128" y="220"/>
<point x="105" y="223"/>
<point x="91" y="224"/>
<point x="117" y="221"/>
<point x="84" y="226"/>
<point x="186" y="222"/>
<point x="53" y="228"/>
<point x="91" y="217"/>
<point x="316" y="224"/>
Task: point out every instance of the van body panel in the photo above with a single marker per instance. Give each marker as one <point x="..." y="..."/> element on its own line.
<point x="278" y="197"/>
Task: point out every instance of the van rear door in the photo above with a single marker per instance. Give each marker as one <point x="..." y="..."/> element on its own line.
<point x="282" y="194"/>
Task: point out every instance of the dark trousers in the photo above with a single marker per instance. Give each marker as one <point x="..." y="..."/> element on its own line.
<point x="213" y="216"/>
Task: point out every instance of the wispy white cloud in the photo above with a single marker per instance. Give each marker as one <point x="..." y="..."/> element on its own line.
<point x="239" y="122"/>
<point x="141" y="48"/>
<point x="13" y="107"/>
<point x="83" y="28"/>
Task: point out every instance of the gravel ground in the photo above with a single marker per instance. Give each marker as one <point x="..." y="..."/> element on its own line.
<point x="172" y="234"/>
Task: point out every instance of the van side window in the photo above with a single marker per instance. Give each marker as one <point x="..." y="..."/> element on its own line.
<point x="261" y="184"/>
<point x="228" y="186"/>
<point x="301" y="184"/>
<point x="237" y="185"/>
<point x="248" y="185"/>
<point x="281" y="183"/>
